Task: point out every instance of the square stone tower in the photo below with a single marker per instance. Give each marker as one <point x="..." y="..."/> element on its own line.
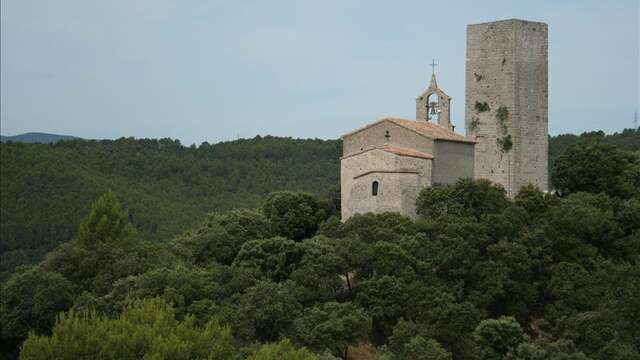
<point x="506" y="108"/>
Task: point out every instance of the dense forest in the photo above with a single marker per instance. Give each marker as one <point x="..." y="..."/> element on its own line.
<point x="46" y="189"/>
<point x="145" y="272"/>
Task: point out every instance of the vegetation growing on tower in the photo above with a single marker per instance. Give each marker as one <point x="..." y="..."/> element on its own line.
<point x="481" y="107"/>
<point x="505" y="142"/>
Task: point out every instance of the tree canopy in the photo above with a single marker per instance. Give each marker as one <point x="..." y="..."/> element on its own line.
<point x="476" y="275"/>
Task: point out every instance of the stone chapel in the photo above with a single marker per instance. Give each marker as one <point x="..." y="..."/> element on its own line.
<point x="386" y="163"/>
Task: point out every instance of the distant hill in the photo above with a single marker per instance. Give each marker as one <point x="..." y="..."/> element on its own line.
<point x="36" y="137"/>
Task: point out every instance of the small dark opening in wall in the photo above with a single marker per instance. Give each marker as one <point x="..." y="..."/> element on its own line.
<point x="374" y="188"/>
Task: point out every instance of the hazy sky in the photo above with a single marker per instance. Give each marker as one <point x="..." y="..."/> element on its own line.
<point x="214" y="70"/>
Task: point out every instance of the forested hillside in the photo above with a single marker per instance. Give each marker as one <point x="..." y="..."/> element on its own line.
<point x="476" y="277"/>
<point x="45" y="189"/>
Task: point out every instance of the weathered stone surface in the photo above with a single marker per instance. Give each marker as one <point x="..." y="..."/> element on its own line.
<point x="442" y="109"/>
<point x="398" y="155"/>
<point x="452" y="161"/>
<point x="400" y="179"/>
<point x="507" y="67"/>
<point x="385" y="132"/>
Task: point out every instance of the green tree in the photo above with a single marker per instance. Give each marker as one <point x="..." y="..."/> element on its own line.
<point x="243" y="224"/>
<point x="294" y="215"/>
<point x="274" y="258"/>
<point x="597" y="168"/>
<point x="560" y="350"/>
<point x="583" y="223"/>
<point x="447" y="320"/>
<point x="332" y="326"/>
<point x="97" y="267"/>
<point x="496" y="337"/>
<point x="388" y="259"/>
<point x="30" y="301"/>
<point x="385" y="298"/>
<point x="319" y="270"/>
<point x="403" y="331"/>
<point x="106" y="222"/>
<point x="466" y="197"/>
<point x="220" y="237"/>
<point x="146" y="329"/>
<point x="104" y="251"/>
<point x="283" y="350"/>
<point x="521" y="283"/>
<point x="371" y="228"/>
<point x="419" y="348"/>
<point x="207" y="244"/>
<point x="266" y="311"/>
<point x="572" y="289"/>
<point x="411" y="341"/>
<point x="534" y="200"/>
<point x="179" y="285"/>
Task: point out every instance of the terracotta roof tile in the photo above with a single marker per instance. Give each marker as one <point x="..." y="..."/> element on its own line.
<point x="426" y="129"/>
<point x="430" y="130"/>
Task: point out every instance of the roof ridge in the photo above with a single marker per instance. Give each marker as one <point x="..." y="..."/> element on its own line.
<point x="445" y="133"/>
<point x="425" y="129"/>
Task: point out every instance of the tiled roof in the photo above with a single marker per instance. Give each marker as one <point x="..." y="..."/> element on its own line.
<point x="426" y="129"/>
<point x="430" y="130"/>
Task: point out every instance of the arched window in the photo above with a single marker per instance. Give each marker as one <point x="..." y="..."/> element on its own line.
<point x="374" y="188"/>
<point x="433" y="107"/>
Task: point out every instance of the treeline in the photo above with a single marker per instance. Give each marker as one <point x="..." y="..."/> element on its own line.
<point x="629" y="140"/>
<point x="476" y="276"/>
<point x="46" y="189"/>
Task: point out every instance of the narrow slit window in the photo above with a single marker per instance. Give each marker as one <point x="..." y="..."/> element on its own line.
<point x="374" y="188"/>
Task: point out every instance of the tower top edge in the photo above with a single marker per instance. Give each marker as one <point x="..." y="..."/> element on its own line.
<point x="513" y="20"/>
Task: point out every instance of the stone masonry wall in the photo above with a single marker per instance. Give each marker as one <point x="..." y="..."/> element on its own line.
<point x="400" y="180"/>
<point x="532" y="125"/>
<point x="451" y="161"/>
<point x="374" y="136"/>
<point x="444" y="106"/>
<point x="507" y="67"/>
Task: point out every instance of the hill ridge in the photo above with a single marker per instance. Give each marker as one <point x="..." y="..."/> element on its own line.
<point x="37" y="137"/>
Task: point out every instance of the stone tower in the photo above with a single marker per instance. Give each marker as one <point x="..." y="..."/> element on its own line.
<point x="434" y="105"/>
<point x="506" y="102"/>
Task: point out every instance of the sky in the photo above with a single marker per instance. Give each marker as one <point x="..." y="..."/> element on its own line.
<point x="212" y="71"/>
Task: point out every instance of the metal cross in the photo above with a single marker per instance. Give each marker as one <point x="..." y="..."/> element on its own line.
<point x="433" y="66"/>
